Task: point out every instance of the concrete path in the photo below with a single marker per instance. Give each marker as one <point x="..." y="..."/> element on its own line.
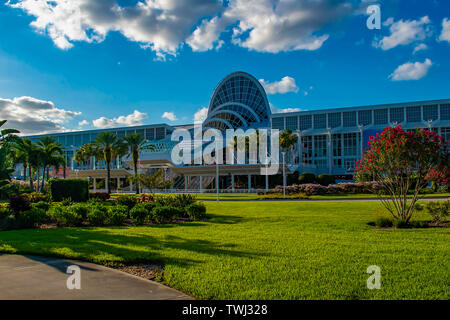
<point x="31" y="278"/>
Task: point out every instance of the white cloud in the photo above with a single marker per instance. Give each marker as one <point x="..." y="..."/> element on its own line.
<point x="132" y="119"/>
<point x="33" y="116"/>
<point x="165" y="25"/>
<point x="420" y="47"/>
<point x="411" y="71"/>
<point x="404" y="32"/>
<point x="283" y="110"/>
<point x="445" y="34"/>
<point x="201" y="115"/>
<point x="286" y="84"/>
<point x="83" y="123"/>
<point x="169" y="116"/>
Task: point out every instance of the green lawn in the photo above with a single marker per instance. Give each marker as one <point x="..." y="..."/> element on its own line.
<point x="267" y="250"/>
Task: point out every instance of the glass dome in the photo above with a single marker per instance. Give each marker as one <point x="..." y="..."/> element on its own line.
<point x="239" y="101"/>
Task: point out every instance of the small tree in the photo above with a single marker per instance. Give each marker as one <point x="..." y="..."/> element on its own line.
<point x="401" y="161"/>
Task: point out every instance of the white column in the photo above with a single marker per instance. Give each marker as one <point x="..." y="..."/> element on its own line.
<point x="185" y="182"/>
<point x="95" y="184"/>
<point x="267" y="182"/>
<point x="249" y="181"/>
<point x="232" y="182"/>
<point x="118" y="183"/>
<point x="201" y="184"/>
<point x="131" y="186"/>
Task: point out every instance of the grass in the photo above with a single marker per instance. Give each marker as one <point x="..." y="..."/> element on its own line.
<point x="267" y="250"/>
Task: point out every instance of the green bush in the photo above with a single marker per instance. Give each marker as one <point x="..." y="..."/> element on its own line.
<point x="38" y="197"/>
<point x="400" y="223"/>
<point x="8" y="223"/>
<point x="438" y="210"/>
<point x="76" y="189"/>
<point x="19" y="203"/>
<point x="102" y="196"/>
<point x="5" y="212"/>
<point x="165" y="214"/>
<point x="117" y="215"/>
<point x="420" y="224"/>
<point x="306" y="178"/>
<point x="196" y="211"/>
<point x="41" y="205"/>
<point x="325" y="179"/>
<point x="80" y="209"/>
<point x="31" y="218"/>
<point x="65" y="215"/>
<point x="97" y="215"/>
<point x="383" y="222"/>
<point x="66" y="202"/>
<point x="129" y="201"/>
<point x="139" y="213"/>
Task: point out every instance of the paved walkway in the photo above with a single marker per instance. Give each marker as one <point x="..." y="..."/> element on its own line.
<point x="31" y="277"/>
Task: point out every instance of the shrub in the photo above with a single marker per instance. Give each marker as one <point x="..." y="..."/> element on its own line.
<point x="383" y="222"/>
<point x="8" y="223"/>
<point x="65" y="215"/>
<point x="30" y="218"/>
<point x="97" y="215"/>
<point x="76" y="189"/>
<point x="420" y="224"/>
<point x="66" y="202"/>
<point x="165" y="214"/>
<point x="129" y="201"/>
<point x="80" y="209"/>
<point x="5" y="212"/>
<point x="102" y="196"/>
<point x="41" y="205"/>
<point x="144" y="198"/>
<point x="306" y="177"/>
<point x="438" y="210"/>
<point x="38" y="197"/>
<point x="117" y="214"/>
<point x="139" y="213"/>
<point x="19" y="203"/>
<point x="196" y="211"/>
<point x="325" y="179"/>
<point x="400" y="223"/>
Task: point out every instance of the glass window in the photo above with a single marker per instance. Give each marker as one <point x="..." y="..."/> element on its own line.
<point x="150" y="133"/>
<point x="445" y="111"/>
<point x="320" y="146"/>
<point x="69" y="140"/>
<point x="321" y="163"/>
<point x="365" y="117"/>
<point x="292" y="123"/>
<point x="305" y="122"/>
<point x="334" y="120"/>
<point x="337" y="145"/>
<point x="278" y="123"/>
<point x="350" y="119"/>
<point x="77" y="141"/>
<point x="121" y="133"/>
<point x="86" y="138"/>
<point x="413" y="114"/>
<point x="160" y="133"/>
<point x="397" y="115"/>
<point x="350" y="164"/>
<point x="350" y="144"/>
<point x="141" y="132"/>
<point x="430" y="113"/>
<point x="380" y="116"/>
<point x="307" y="149"/>
<point x="445" y="133"/>
<point x="337" y="163"/>
<point x="320" y="121"/>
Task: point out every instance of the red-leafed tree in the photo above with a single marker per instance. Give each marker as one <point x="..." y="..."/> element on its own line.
<point x="402" y="161"/>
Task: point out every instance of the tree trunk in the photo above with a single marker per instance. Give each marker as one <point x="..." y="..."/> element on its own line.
<point x="25" y="172"/>
<point x="43" y="179"/>
<point x="108" y="176"/>
<point x="31" y="179"/>
<point x="135" y="177"/>
<point x="64" y="168"/>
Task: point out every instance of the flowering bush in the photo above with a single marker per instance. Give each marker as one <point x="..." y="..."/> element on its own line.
<point x="400" y="161"/>
<point x="340" y="188"/>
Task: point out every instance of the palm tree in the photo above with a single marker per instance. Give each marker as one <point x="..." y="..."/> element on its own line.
<point x="30" y="156"/>
<point x="135" y="143"/>
<point x="51" y="151"/>
<point x="110" y="146"/>
<point x="7" y="134"/>
<point x="287" y="141"/>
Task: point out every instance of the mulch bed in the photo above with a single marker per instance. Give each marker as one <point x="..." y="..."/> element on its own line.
<point x="147" y="271"/>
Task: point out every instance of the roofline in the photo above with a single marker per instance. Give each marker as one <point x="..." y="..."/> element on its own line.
<point x="379" y="106"/>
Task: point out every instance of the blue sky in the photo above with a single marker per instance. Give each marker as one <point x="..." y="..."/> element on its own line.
<point x="118" y="63"/>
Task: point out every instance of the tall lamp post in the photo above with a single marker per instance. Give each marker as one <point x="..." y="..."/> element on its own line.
<point x="330" y="152"/>
<point x="360" y="126"/>
<point x="217" y="176"/>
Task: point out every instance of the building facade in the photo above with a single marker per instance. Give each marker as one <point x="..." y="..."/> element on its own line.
<point x="329" y="140"/>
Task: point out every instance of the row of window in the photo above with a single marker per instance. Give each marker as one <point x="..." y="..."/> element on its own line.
<point x="386" y="116"/>
<point x="79" y="139"/>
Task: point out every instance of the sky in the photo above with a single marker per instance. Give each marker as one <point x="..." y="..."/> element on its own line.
<point x="81" y="64"/>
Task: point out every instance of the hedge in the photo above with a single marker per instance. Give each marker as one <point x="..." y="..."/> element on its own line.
<point x="75" y="189"/>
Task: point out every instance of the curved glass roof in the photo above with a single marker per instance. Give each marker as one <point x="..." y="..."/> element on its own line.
<point x="238" y="101"/>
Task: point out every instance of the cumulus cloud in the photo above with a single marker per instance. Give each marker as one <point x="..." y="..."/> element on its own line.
<point x="165" y="25"/>
<point x="420" y="47"/>
<point x="169" y="116"/>
<point x="83" y="123"/>
<point x="283" y="110"/>
<point x="445" y="34"/>
<point x="132" y="119"/>
<point x="34" y="116"/>
<point x="411" y="71"/>
<point x="201" y="115"/>
<point x="286" y="84"/>
<point x="404" y="32"/>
